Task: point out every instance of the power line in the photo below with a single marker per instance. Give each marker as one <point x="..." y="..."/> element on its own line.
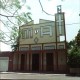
<point x="44" y="10"/>
<point x="73" y="24"/>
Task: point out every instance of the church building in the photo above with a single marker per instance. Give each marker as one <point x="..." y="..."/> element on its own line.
<point x="42" y="46"/>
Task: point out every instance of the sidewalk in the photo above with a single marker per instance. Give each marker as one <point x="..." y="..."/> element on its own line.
<point x="36" y="76"/>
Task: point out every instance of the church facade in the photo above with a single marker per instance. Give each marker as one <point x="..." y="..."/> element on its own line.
<point x="42" y="46"/>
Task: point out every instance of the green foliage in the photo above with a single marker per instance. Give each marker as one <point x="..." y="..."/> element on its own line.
<point x="10" y="4"/>
<point x="12" y="16"/>
<point x="71" y="44"/>
<point x="14" y="33"/>
<point x="78" y="38"/>
<point x="16" y="45"/>
<point x="16" y="3"/>
<point x="23" y="18"/>
<point x="74" y="53"/>
<point x="1" y="5"/>
<point x="1" y="36"/>
<point x="74" y="58"/>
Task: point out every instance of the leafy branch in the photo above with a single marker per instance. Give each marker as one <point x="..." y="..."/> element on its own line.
<point x="13" y="19"/>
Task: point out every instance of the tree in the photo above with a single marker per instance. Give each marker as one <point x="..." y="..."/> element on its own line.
<point x="74" y="57"/>
<point x="74" y="53"/>
<point x="12" y="17"/>
<point x="78" y="38"/>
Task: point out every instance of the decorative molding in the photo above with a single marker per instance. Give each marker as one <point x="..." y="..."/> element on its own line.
<point x="36" y="40"/>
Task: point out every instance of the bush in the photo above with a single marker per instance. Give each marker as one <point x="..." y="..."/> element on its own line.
<point x="74" y="58"/>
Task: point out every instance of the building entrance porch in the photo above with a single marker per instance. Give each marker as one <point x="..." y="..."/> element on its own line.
<point x="36" y="61"/>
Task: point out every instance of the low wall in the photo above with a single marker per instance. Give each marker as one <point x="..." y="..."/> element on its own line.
<point x="10" y="55"/>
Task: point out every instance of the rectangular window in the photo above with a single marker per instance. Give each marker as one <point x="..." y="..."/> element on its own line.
<point x="24" y="48"/>
<point x="23" y="34"/>
<point x="49" y="47"/>
<point x="27" y="33"/>
<point x="36" y="48"/>
<point x="30" y="33"/>
<point x="46" y="30"/>
<point x="61" y="47"/>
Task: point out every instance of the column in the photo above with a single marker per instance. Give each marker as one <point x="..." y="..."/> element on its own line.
<point x="19" y="63"/>
<point x="40" y="62"/>
<point x="55" y="62"/>
<point x="44" y="61"/>
<point x="30" y="61"/>
<point x="27" y="61"/>
<point x="25" y="64"/>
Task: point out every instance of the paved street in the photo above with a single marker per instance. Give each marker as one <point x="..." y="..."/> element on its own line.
<point x="36" y="76"/>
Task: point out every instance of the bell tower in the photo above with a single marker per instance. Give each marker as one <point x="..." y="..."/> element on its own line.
<point x="60" y="25"/>
<point x="60" y="32"/>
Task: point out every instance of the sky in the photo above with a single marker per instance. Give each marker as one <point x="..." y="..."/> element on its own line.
<point x="70" y="7"/>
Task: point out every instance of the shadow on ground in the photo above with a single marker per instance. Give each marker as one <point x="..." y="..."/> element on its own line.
<point x="73" y="75"/>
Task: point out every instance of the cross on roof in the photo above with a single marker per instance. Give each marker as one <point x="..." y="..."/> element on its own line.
<point x="59" y="21"/>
